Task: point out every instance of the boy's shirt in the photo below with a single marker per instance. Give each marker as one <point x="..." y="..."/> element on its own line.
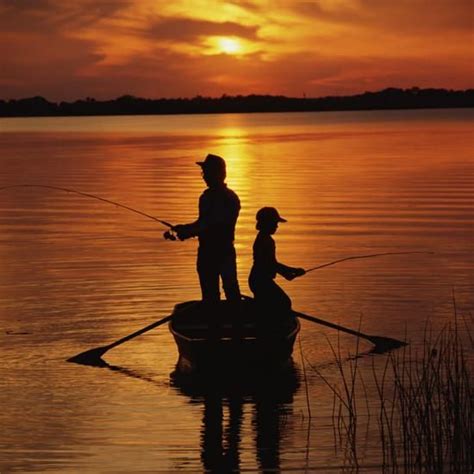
<point x="264" y="256"/>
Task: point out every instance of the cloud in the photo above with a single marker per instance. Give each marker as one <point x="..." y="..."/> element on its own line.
<point x="70" y="49"/>
<point x="414" y="16"/>
<point x="172" y="74"/>
<point x="187" y="29"/>
<point x="44" y="66"/>
<point x="25" y="5"/>
<point x="49" y="16"/>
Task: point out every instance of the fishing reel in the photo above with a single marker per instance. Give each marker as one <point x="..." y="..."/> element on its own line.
<point x="178" y="232"/>
<point x="170" y="235"/>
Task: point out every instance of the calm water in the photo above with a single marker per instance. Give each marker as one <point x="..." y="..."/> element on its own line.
<point x="77" y="273"/>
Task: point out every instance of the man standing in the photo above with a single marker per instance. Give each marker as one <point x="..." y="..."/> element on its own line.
<point x="219" y="209"/>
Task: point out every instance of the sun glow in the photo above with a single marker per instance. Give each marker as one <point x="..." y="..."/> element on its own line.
<point x="229" y="45"/>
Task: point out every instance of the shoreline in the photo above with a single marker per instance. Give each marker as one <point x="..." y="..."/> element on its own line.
<point x="160" y="114"/>
<point x="387" y="99"/>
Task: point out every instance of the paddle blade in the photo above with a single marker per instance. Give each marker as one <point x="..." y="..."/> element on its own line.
<point x="385" y="344"/>
<point x="91" y="357"/>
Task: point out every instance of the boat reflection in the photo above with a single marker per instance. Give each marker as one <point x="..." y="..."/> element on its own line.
<point x="224" y="401"/>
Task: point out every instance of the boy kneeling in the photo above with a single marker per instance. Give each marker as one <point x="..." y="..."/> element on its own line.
<point x="268" y="295"/>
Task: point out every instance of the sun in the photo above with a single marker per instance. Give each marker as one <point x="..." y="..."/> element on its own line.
<point x="229" y="45"/>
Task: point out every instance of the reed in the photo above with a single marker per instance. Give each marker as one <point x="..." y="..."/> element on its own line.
<point x="422" y="401"/>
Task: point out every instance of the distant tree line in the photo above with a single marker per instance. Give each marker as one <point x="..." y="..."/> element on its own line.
<point x="391" y="98"/>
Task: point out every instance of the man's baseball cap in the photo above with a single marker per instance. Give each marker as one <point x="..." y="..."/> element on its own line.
<point x="212" y="162"/>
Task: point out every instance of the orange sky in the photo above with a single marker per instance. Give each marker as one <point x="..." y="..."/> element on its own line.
<point x="69" y="49"/>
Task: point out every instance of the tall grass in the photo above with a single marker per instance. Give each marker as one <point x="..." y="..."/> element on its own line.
<point x="422" y="404"/>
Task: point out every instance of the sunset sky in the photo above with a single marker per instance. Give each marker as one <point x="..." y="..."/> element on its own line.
<point x="70" y="49"/>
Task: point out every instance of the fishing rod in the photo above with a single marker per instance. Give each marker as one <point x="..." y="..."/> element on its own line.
<point x="168" y="235"/>
<point x="364" y="256"/>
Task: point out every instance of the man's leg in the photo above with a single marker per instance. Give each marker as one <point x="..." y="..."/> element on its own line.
<point x="208" y="278"/>
<point x="228" y="273"/>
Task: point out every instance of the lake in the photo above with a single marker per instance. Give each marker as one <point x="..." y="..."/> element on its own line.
<point x="79" y="273"/>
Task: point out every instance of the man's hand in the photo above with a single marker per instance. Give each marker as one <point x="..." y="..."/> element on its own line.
<point x="169" y="235"/>
<point x="182" y="232"/>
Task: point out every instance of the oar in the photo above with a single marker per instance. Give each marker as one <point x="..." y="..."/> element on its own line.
<point x="382" y="344"/>
<point x="94" y="356"/>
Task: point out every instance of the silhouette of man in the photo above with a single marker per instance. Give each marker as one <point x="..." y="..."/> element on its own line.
<point x="219" y="209"/>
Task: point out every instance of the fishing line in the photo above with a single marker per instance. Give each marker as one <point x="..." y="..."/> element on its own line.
<point x="365" y="256"/>
<point x="93" y="196"/>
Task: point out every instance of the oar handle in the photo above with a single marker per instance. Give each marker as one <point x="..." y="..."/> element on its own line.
<point x="140" y="331"/>
<point x="145" y="329"/>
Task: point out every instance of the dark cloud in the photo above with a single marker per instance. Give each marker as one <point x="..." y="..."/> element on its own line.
<point x="48" y="16"/>
<point x="26" y="15"/>
<point x="186" y="29"/>
<point x="83" y="13"/>
<point x="247" y="5"/>
<point x="25" y="5"/>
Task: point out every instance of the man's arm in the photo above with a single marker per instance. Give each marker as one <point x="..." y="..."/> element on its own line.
<point x="186" y="231"/>
<point x="193" y="229"/>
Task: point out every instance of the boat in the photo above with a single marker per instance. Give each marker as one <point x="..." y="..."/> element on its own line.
<point x="231" y="337"/>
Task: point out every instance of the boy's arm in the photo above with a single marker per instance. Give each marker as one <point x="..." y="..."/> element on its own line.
<point x="289" y="273"/>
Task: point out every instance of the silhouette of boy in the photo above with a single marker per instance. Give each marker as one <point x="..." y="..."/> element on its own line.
<point x="265" y="265"/>
<point x="219" y="209"/>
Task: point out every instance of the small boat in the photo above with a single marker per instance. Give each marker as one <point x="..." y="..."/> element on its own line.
<point x="231" y="337"/>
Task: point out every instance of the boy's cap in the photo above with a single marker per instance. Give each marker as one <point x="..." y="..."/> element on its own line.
<point x="269" y="214"/>
<point x="212" y="162"/>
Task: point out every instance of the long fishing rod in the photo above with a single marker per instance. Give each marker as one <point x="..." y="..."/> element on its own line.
<point x="93" y="196"/>
<point x="365" y="256"/>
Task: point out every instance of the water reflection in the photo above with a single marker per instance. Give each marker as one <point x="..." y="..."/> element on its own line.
<point x="223" y="397"/>
<point x="77" y="274"/>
